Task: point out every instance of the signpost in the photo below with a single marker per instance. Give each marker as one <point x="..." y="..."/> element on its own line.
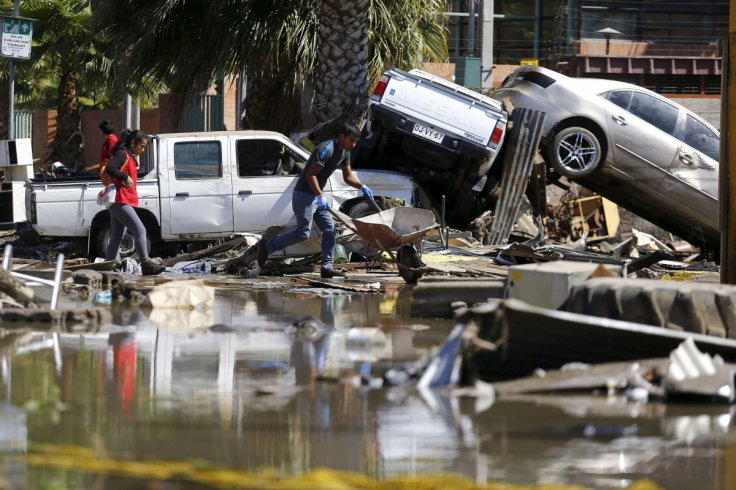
<point x="16" y="38"/>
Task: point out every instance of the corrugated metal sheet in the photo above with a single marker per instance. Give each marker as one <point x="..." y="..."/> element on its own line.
<point x="22" y="124"/>
<point x="526" y="131"/>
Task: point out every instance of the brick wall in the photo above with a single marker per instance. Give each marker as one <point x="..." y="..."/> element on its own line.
<point x="442" y="70"/>
<point x="44" y="129"/>
<point x="230" y="103"/>
<point x="166" y="121"/>
<point x="93" y="136"/>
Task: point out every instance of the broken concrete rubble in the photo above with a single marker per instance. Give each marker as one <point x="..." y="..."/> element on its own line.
<point x="548" y="284"/>
<point x="693" y="374"/>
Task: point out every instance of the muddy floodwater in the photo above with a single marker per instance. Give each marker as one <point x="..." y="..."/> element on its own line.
<point x="219" y="399"/>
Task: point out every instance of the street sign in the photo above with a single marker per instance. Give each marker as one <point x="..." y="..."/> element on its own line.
<point x="529" y="61"/>
<point x="16" y="38"/>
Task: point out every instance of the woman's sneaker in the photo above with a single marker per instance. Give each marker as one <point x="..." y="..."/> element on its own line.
<point x="151" y="268"/>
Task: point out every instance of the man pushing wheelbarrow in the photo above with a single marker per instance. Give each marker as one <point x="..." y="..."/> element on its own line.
<point x="308" y="204"/>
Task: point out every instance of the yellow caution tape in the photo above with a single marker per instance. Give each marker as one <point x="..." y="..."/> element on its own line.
<point x="87" y="460"/>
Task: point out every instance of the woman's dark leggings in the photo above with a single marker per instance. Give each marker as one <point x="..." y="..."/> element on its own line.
<point x="122" y="217"/>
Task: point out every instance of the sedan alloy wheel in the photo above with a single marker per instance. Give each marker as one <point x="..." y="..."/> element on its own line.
<point x="575" y="152"/>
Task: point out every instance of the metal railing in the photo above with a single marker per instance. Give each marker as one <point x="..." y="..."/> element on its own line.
<point x="207" y="113"/>
<point x="23" y="124"/>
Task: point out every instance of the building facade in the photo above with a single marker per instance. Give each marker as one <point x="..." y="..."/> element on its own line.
<point x="669" y="46"/>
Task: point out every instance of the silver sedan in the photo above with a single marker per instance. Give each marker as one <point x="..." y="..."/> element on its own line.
<point x="641" y="150"/>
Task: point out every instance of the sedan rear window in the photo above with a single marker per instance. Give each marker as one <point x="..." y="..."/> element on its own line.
<point x="621" y="98"/>
<point x="654" y="111"/>
<point x="537" y="78"/>
<point x="534" y="77"/>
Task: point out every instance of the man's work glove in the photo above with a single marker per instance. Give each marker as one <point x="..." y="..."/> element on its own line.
<point x="322" y="203"/>
<point x="367" y="192"/>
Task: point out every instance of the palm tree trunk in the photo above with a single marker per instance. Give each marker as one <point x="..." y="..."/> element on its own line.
<point x="268" y="107"/>
<point x="341" y="84"/>
<point x="66" y="146"/>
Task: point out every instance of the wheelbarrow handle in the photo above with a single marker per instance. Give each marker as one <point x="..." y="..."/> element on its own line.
<point x="344" y="219"/>
<point x="375" y="205"/>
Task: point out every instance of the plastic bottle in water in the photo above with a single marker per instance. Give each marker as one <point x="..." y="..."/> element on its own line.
<point x="103" y="297"/>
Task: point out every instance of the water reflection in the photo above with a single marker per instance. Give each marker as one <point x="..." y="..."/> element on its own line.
<point x="249" y="392"/>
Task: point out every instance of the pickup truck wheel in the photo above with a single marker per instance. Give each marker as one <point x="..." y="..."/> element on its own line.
<point x="575" y="152"/>
<point x="127" y="245"/>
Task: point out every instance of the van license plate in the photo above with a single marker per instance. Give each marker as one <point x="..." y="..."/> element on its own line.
<point x="427" y="133"/>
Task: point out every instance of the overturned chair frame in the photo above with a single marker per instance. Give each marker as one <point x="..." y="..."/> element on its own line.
<point x="33" y="281"/>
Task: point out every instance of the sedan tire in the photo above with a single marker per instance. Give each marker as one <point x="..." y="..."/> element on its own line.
<point x="575" y="152"/>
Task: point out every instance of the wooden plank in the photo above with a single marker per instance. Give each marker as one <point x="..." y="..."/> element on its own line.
<point x="484" y="267"/>
<point x="310" y="281"/>
<point x="446" y="268"/>
<point x="201" y="254"/>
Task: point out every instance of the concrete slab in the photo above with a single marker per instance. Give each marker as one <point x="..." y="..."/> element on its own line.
<point x="435" y="297"/>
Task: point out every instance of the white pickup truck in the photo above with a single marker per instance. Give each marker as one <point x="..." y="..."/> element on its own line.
<point x="444" y="135"/>
<point x="199" y="186"/>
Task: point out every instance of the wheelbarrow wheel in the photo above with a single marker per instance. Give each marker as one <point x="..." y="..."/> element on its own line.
<point x="408" y="256"/>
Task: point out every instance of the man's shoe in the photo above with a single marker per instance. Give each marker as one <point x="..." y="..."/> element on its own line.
<point x="151" y="268"/>
<point x="262" y="252"/>
<point x="330" y="273"/>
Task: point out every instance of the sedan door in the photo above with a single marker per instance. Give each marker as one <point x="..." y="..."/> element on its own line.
<point x="694" y="170"/>
<point x="641" y="130"/>
<point x="697" y="158"/>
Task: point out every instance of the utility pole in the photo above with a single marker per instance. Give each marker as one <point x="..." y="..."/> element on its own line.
<point x="131" y="113"/>
<point x="471" y="27"/>
<point x="11" y="84"/>
<point x="486" y="44"/>
<point x="727" y="177"/>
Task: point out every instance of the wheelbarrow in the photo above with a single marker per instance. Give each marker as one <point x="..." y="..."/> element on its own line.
<point x="397" y="229"/>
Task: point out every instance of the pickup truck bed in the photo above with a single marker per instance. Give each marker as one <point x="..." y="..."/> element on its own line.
<point x="445" y="136"/>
